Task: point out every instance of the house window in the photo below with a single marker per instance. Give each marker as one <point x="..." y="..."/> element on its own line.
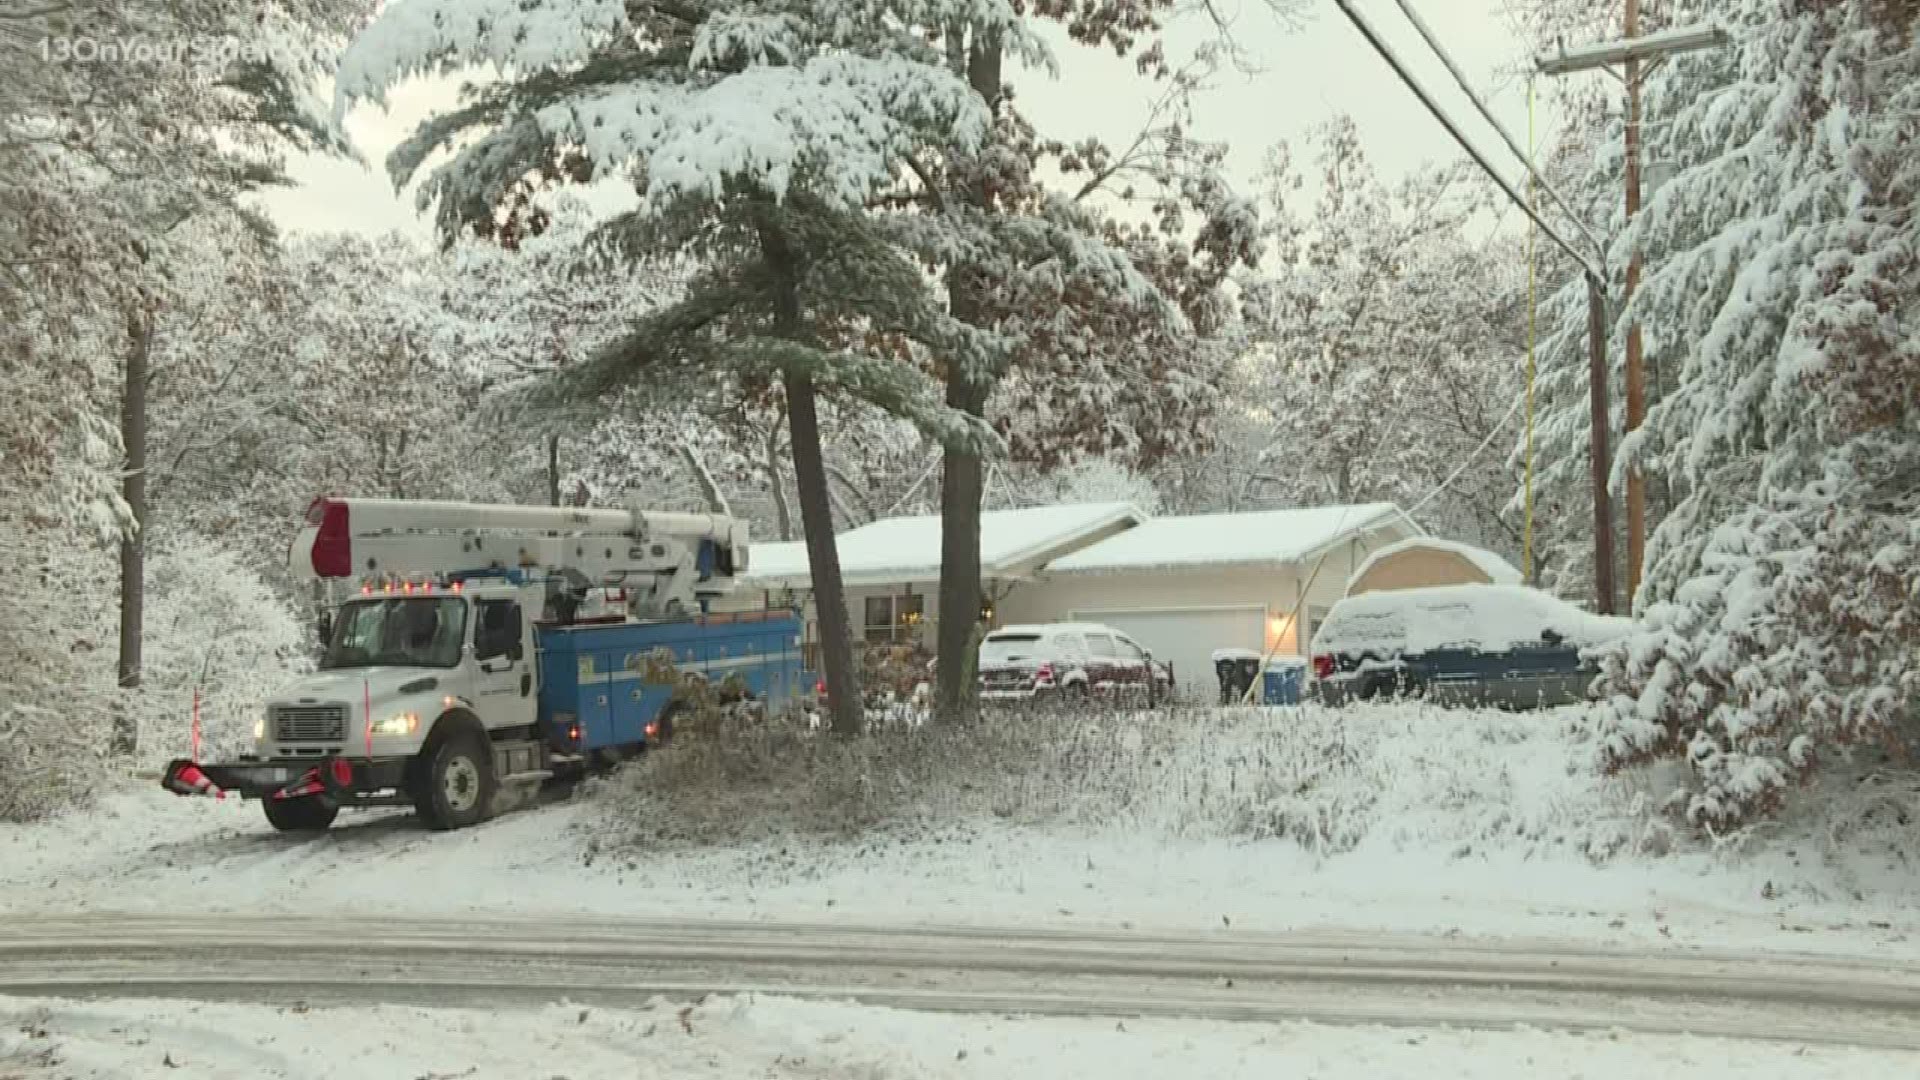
<point x="893" y="620"/>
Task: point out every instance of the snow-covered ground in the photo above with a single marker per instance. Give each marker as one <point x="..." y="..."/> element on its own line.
<point x="1480" y="829"/>
<point x="763" y="1037"/>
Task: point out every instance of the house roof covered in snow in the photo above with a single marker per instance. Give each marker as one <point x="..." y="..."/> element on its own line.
<point x="1273" y="537"/>
<point x="907" y="549"/>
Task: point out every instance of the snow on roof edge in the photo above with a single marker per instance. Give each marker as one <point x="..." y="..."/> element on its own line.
<point x="1119" y="511"/>
<point x="801" y="575"/>
<point x="1382" y="513"/>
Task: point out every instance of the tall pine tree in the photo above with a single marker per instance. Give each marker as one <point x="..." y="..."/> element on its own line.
<point x="757" y="134"/>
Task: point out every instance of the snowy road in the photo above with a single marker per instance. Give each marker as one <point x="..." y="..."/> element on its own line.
<point x="371" y="958"/>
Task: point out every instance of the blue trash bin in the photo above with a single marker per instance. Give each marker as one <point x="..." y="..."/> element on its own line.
<point x="1281" y="681"/>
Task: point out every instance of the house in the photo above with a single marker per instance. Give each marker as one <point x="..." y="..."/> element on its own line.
<point x="1181" y="585"/>
<point x="1185" y="586"/>
<point x="1421" y="561"/>
<point x="890" y="568"/>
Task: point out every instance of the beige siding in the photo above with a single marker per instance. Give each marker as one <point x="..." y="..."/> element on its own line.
<point x="1057" y="598"/>
<point x="1418" y="568"/>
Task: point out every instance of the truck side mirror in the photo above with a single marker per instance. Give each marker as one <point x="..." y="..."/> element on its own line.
<point x="324" y="624"/>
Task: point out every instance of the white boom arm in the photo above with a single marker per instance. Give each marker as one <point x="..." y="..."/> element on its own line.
<point x="666" y="561"/>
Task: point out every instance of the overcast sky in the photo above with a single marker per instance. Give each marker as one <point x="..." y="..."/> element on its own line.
<point x="1308" y="73"/>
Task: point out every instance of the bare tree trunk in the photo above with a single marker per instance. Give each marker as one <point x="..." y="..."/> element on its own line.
<point x="957" y="693"/>
<point x="846" y="705"/>
<point x="957" y="697"/>
<point x="553" y="469"/>
<point x="133" y="546"/>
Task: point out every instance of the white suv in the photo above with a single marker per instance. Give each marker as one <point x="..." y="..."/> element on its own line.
<point x="1073" y="660"/>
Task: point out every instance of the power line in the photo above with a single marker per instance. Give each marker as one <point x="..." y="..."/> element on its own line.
<point x="1525" y="156"/>
<point x="1393" y="60"/>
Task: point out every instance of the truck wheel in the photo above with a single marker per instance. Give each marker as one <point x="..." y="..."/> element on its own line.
<point x="663" y="732"/>
<point x="309" y="813"/>
<point x="456" y="787"/>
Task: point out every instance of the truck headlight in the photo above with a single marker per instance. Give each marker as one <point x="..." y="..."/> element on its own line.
<point x="399" y="724"/>
<point x="259" y="728"/>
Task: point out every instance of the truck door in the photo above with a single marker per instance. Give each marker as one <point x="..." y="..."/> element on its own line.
<point x="504" y="689"/>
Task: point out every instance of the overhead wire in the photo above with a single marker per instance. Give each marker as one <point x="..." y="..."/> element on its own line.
<point x="1368" y="31"/>
<point x="1479" y="103"/>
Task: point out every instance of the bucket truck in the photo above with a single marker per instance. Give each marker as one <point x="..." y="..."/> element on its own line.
<point x="459" y="668"/>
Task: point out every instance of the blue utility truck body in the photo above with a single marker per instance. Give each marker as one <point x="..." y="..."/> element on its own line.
<point x="596" y="690"/>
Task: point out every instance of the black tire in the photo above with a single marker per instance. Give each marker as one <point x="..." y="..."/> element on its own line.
<point x="309" y="813"/>
<point x="664" y="724"/>
<point x="456" y="784"/>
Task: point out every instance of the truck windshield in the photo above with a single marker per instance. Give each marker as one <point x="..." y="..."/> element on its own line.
<point x="413" y="631"/>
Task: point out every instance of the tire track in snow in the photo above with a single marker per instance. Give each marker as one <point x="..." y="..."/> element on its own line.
<point x="1332" y="977"/>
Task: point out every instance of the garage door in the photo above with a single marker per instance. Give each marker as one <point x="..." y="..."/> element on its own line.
<point x="1186" y="638"/>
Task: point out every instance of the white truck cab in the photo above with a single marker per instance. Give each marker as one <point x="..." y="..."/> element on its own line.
<point x="396" y="659"/>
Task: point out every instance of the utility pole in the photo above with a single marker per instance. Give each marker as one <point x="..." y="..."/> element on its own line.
<point x="1629" y="54"/>
<point x="1592" y="265"/>
<point x="1636" y="370"/>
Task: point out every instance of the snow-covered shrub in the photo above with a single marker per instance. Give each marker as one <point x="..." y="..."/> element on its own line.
<point x="57" y="694"/>
<point x="752" y="777"/>
<point x="1404" y="777"/>
<point x="1781" y="603"/>
<point x="212" y="624"/>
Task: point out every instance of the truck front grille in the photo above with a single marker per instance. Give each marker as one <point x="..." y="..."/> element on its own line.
<point x="309" y="723"/>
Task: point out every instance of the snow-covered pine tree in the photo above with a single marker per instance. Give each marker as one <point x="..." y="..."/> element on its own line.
<point x="757" y="135"/>
<point x="1780" y="610"/>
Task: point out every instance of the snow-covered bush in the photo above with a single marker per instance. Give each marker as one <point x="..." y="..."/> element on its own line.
<point x="1400" y="777"/>
<point x="56" y="681"/>
<point x="1781" y="603"/>
<point x="212" y="625"/>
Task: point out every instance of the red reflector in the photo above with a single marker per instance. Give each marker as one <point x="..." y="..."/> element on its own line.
<point x="332" y="543"/>
<point x="820" y="687"/>
<point x="573" y="733"/>
<point x="1045" y="674"/>
<point x="1323" y="667"/>
<point x="342" y="772"/>
<point x="652" y="730"/>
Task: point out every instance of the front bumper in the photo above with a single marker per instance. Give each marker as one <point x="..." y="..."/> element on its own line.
<point x="343" y="780"/>
<point x="1019" y="693"/>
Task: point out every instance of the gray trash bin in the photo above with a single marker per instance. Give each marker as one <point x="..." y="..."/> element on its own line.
<point x="1238" y="670"/>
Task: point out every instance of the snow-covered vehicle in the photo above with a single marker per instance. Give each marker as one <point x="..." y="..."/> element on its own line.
<point x="1507" y="646"/>
<point x="1071" y="660"/>
<point x="462" y="665"/>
